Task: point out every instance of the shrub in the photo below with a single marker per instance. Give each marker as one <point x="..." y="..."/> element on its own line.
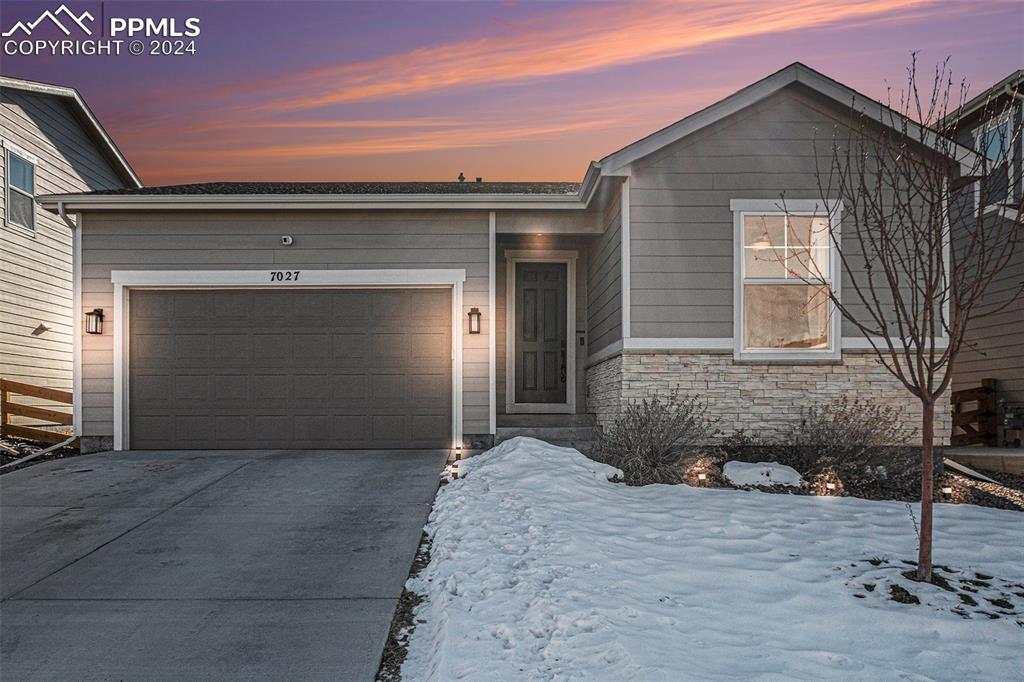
<point x="842" y="431"/>
<point x="861" y="442"/>
<point x="653" y="438"/>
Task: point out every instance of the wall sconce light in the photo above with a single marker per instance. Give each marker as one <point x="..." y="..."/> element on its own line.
<point x="474" y="320"/>
<point x="94" y="322"/>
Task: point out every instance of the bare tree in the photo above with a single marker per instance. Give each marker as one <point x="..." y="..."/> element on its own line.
<point x="918" y="248"/>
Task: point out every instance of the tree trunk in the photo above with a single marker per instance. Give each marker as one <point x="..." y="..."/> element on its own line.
<point x="924" y="552"/>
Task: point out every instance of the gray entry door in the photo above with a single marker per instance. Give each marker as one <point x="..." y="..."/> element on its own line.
<point x="541" y="333"/>
<point x="303" y="368"/>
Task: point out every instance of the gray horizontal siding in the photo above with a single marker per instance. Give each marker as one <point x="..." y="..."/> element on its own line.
<point x="604" y="276"/>
<point x="681" y="248"/>
<point x="35" y="268"/>
<point x="240" y="241"/>
<point x="994" y="344"/>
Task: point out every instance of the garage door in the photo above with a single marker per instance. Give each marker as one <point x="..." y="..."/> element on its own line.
<point x="303" y="368"/>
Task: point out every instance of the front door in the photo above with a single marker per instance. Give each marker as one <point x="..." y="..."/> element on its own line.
<point x="541" y="334"/>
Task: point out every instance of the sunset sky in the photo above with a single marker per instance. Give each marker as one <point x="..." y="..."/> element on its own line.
<point x="505" y="90"/>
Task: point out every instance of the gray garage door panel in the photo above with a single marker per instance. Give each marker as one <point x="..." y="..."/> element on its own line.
<point x="334" y="368"/>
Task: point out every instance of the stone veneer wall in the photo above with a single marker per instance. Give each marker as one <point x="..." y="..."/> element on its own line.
<point x="760" y="398"/>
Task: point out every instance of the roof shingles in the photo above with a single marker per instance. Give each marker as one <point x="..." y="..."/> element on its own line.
<point x="369" y="188"/>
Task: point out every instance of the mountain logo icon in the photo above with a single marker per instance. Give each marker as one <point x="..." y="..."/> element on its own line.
<point x="55" y="18"/>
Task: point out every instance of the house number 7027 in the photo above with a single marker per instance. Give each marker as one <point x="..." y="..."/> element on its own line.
<point x="284" y="275"/>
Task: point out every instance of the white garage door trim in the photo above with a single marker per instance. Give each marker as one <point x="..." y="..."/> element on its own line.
<point x="126" y="280"/>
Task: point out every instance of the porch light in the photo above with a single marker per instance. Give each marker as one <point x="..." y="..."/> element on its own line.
<point x="474" y="320"/>
<point x="94" y="321"/>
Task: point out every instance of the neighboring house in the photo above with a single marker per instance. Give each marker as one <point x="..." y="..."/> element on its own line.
<point x="994" y="345"/>
<point x="52" y="143"/>
<point x="341" y="315"/>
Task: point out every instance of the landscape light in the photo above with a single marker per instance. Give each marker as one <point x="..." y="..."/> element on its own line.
<point x="94" y="321"/>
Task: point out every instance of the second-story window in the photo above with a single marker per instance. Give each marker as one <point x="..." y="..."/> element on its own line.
<point x="993" y="139"/>
<point x="21" y="206"/>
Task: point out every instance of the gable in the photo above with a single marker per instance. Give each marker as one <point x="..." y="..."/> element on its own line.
<point x="848" y="99"/>
<point x="45" y="127"/>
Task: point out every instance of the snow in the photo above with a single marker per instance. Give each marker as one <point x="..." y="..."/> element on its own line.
<point x="542" y="569"/>
<point x="762" y="473"/>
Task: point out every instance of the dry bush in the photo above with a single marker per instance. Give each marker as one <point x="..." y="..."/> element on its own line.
<point x="653" y="438"/>
<point x="861" y="443"/>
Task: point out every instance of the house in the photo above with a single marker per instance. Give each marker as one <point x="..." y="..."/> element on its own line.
<point x="994" y="346"/>
<point x="52" y="143"/>
<point x="389" y="315"/>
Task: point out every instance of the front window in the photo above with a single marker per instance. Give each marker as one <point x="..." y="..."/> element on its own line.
<point x="21" y="207"/>
<point x="785" y="276"/>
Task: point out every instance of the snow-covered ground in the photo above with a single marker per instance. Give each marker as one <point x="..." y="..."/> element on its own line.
<point x="542" y="569"/>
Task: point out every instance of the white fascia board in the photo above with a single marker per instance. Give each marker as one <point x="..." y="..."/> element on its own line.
<point x="239" y="202"/>
<point x="306" y="278"/>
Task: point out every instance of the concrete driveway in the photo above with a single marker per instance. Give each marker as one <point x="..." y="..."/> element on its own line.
<point x="208" y="565"/>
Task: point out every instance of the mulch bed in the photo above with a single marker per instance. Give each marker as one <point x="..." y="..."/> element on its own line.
<point x="403" y="623"/>
<point x="23" y="448"/>
<point x="1007" y="493"/>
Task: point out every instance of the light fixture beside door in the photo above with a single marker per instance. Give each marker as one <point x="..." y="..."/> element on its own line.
<point x="474" y="320"/>
<point x="94" y="321"/>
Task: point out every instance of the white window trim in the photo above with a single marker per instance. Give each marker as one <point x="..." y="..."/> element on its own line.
<point x="1007" y="119"/>
<point x="541" y="256"/>
<point x="126" y="280"/>
<point x="833" y="209"/>
<point x="9" y="149"/>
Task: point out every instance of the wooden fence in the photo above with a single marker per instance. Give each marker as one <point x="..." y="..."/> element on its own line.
<point x="50" y="417"/>
<point x="976" y="426"/>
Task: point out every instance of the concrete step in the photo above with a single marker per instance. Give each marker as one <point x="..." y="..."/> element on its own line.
<point x="531" y="420"/>
<point x="549" y="433"/>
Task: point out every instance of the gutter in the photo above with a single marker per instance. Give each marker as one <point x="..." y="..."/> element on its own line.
<point x="242" y="202"/>
<point x="579" y="201"/>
